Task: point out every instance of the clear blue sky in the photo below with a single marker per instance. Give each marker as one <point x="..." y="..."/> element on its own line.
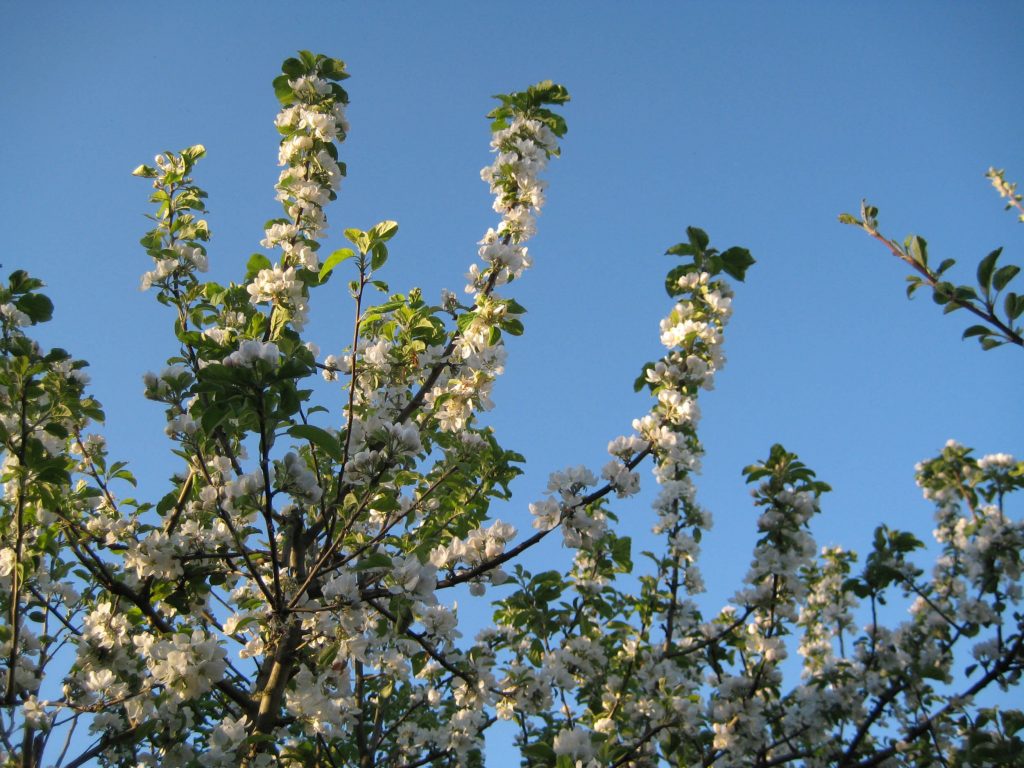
<point x="759" y="122"/>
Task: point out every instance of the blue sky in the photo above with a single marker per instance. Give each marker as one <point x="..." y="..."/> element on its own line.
<point x="759" y="122"/>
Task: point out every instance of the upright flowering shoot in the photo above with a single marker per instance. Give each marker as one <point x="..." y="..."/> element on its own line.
<point x="176" y="243"/>
<point x="525" y="133"/>
<point x="311" y="120"/>
<point x="616" y="680"/>
<point x="692" y="333"/>
<point x="525" y="136"/>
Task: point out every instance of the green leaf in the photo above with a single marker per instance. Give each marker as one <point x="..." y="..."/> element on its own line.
<point x="256" y="263"/>
<point x="333" y="69"/>
<point x="975" y="330"/>
<point x="641" y="380"/>
<point x="672" y="278"/>
<point x="213" y="417"/>
<point x="55" y="429"/>
<point x="375" y="560"/>
<point x="384" y="231"/>
<point x="539" y="751"/>
<point x="378" y="255"/>
<point x="282" y="90"/>
<point x="358" y="238"/>
<point x="918" y="248"/>
<point x="985" y="268"/>
<point x="698" y="239"/>
<point x="869" y="214"/>
<point x="336" y="258"/>
<point x="38" y="307"/>
<point x="1004" y="275"/>
<point x="293" y="67"/>
<point x="736" y="261"/>
<point x="913" y="283"/>
<point x="124" y="474"/>
<point x="1013" y="304"/>
<point x="942" y="292"/>
<point x="321" y="438"/>
<point x="512" y="326"/>
<point x="680" y="249"/>
<point x="965" y="294"/>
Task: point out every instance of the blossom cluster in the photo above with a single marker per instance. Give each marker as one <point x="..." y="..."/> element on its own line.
<point x="311" y="121"/>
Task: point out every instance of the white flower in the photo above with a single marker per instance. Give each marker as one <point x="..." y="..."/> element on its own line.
<point x="575" y="743"/>
<point x="996" y="461"/>
<point x="250" y="351"/>
<point x="309" y="87"/>
<point x="291" y="149"/>
<point x="319" y="124"/>
<point x="276" y="285"/>
<point x="546" y="514"/>
<point x="8" y="558"/>
<point x="14" y="315"/>
<point x="281" y="232"/>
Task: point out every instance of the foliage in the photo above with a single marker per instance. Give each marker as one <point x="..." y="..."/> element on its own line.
<point x="287" y="602"/>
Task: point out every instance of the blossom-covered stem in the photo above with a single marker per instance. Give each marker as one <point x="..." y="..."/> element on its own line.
<point x="649" y="734"/>
<point x="106" y="741"/>
<point x="717" y="638"/>
<point x="921" y="593"/>
<point x="472" y="573"/>
<point x="365" y="758"/>
<point x="628" y="673"/>
<point x="108" y="497"/>
<point x="670" y="615"/>
<point x="423" y="643"/>
<point x="847" y="758"/>
<point x="395" y="520"/>
<point x="427" y="758"/>
<point x="225" y="516"/>
<point x="101" y="573"/>
<point x="1007" y="190"/>
<point x="292" y="241"/>
<point x="218" y="433"/>
<point x="325" y="556"/>
<point x="19" y="533"/>
<point x="435" y="373"/>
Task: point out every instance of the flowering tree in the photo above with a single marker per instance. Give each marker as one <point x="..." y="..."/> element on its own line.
<point x="287" y="602"/>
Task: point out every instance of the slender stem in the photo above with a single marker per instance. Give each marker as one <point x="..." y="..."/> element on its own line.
<point x="268" y="500"/>
<point x="932" y="280"/>
<point x="353" y="385"/>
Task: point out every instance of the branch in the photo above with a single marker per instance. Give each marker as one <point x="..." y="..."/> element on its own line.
<point x="468" y="575"/>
